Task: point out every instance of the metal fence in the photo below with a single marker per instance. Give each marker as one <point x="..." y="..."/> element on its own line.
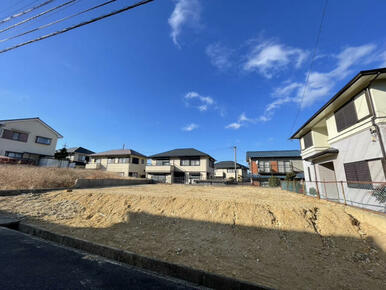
<point x="369" y="195"/>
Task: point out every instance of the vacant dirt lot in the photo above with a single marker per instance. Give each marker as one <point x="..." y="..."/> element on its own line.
<point x="268" y="236"/>
<point x="30" y="177"/>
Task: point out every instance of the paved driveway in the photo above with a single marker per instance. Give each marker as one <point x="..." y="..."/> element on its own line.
<point x="30" y="263"/>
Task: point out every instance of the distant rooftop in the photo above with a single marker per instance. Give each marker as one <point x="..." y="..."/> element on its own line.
<point x="181" y="152"/>
<point x="274" y="153"/>
<point x="118" y="152"/>
<point x="79" y="150"/>
<point x="228" y="165"/>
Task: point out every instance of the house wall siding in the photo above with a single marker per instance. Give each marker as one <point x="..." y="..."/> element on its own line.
<point x="34" y="128"/>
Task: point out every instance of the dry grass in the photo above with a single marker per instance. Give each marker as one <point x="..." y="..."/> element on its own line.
<point x="30" y="177"/>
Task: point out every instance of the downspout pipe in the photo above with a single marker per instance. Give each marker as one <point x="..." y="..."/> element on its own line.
<point x="378" y="131"/>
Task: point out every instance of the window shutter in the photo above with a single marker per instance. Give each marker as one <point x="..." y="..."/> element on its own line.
<point x="23" y="137"/>
<point x="350" y="114"/>
<point x="349" y="169"/>
<point x="307" y="140"/>
<point x="357" y="171"/>
<point x="346" y="116"/>
<point x="340" y="121"/>
<point x="7" y="134"/>
<point x="362" y="171"/>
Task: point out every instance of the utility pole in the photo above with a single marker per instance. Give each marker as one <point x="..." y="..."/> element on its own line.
<point x="235" y="148"/>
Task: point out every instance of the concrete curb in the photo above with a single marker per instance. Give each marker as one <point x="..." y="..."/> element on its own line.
<point x="198" y="277"/>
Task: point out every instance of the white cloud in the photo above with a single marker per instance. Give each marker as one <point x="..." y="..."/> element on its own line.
<point x="269" y="58"/>
<point x="241" y="121"/>
<point x="219" y="55"/>
<point x="186" y="12"/>
<point x="202" y="103"/>
<point x="320" y="84"/>
<point x="233" y="126"/>
<point x="190" y="127"/>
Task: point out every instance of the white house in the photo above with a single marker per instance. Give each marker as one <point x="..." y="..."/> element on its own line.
<point x="345" y="142"/>
<point x="28" y="139"/>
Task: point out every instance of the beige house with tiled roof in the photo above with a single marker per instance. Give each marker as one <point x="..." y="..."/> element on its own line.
<point x="126" y="162"/>
<point x="183" y="165"/>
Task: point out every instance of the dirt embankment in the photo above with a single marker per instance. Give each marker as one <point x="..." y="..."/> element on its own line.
<point x="30" y="177"/>
<point x="267" y="236"/>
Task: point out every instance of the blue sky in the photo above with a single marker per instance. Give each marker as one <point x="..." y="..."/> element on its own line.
<point x="188" y="73"/>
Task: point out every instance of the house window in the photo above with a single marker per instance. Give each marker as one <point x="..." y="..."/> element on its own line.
<point x="14" y="154"/>
<point x="110" y="160"/>
<point x="307" y="140"/>
<point x="135" y="160"/>
<point x="358" y="172"/>
<point x="190" y="162"/>
<point x="162" y="162"/>
<point x="195" y="175"/>
<point x="14" y="135"/>
<point x="230" y="170"/>
<point x="123" y="160"/>
<point x="261" y="166"/>
<point x="346" y="116"/>
<point x="309" y="174"/>
<point x="195" y="162"/>
<point x="287" y="166"/>
<point x="98" y="160"/>
<point x="267" y="167"/>
<point x="43" y="140"/>
<point x="81" y="158"/>
<point x="142" y="161"/>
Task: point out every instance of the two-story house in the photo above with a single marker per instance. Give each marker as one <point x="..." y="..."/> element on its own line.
<point x="264" y="164"/>
<point x="27" y="139"/>
<point x="345" y="141"/>
<point x="226" y="170"/>
<point x="181" y="166"/>
<point x="125" y="162"/>
<point x="79" y="155"/>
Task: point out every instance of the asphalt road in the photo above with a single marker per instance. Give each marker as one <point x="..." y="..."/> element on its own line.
<point x="30" y="263"/>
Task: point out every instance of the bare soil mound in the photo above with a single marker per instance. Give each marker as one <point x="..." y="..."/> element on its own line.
<point x="267" y="236"/>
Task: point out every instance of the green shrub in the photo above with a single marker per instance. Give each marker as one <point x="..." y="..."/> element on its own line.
<point x="290" y="176"/>
<point x="273" y="181"/>
<point x="312" y="191"/>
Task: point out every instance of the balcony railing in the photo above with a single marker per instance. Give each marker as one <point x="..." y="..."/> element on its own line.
<point x="159" y="168"/>
<point x="274" y="169"/>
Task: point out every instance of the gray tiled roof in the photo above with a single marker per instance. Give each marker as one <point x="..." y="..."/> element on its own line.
<point x="79" y="150"/>
<point x="181" y="152"/>
<point x="274" y="153"/>
<point x="228" y="164"/>
<point x="118" y="152"/>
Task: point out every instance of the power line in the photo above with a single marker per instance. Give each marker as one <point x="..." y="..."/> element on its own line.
<point x="77" y="25"/>
<point x="57" y="21"/>
<point x="312" y="62"/>
<point x="37" y="16"/>
<point x="17" y="4"/>
<point x="25" y="11"/>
